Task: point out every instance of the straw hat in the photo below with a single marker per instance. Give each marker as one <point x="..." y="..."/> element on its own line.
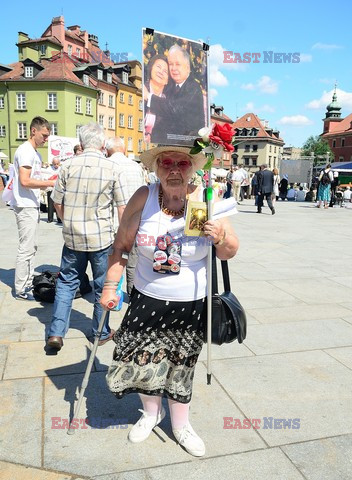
<point x="149" y="157"/>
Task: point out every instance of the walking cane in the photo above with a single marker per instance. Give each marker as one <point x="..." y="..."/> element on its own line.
<point x="209" y="285"/>
<point x="71" y="429"/>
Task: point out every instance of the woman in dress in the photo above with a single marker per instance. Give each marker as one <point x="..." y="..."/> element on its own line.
<point x="161" y="335"/>
<point x="276" y="185"/>
<point x="158" y="69"/>
<point x="326" y="177"/>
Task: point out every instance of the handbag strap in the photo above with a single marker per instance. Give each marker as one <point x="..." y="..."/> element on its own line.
<point x="214" y="274"/>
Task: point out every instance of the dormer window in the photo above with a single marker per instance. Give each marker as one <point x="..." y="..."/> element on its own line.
<point x="125" y="77"/>
<point x="78" y="52"/>
<point x="28" y="72"/>
<point x="86" y="79"/>
<point x="43" y="49"/>
<point x="100" y="74"/>
<point x="69" y="50"/>
<point x="109" y="77"/>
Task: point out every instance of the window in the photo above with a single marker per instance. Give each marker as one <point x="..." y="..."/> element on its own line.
<point x="121" y="120"/>
<point x="78" y="52"/>
<point x="69" y="50"/>
<point x="247" y="148"/>
<point x="255" y="148"/>
<point x="122" y="139"/>
<point x="43" y="49"/>
<point x="100" y="74"/>
<point x="342" y="142"/>
<point x="101" y="98"/>
<point x="85" y="79"/>
<point x="254" y="162"/>
<point x="270" y="149"/>
<point x="130" y="100"/>
<point x="140" y="105"/>
<point x="140" y="146"/>
<point x="21" y="101"/>
<point x="88" y="106"/>
<point x="77" y="130"/>
<point x="122" y="97"/>
<point x="53" y="129"/>
<point x="130" y="121"/>
<point x="140" y="124"/>
<point x="274" y="149"/>
<point x="22" y="130"/>
<point x="2" y="131"/>
<point x="109" y="77"/>
<point x="78" y="104"/>
<point x="101" y="120"/>
<point x="2" y="102"/>
<point x="28" y="72"/>
<point x="333" y="143"/>
<point x="130" y="144"/>
<point x="246" y="161"/>
<point x="111" y="100"/>
<point x="125" y="77"/>
<point x="52" y="101"/>
<point x="111" y="122"/>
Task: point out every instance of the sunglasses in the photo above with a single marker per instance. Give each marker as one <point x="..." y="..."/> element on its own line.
<point x="168" y="163"/>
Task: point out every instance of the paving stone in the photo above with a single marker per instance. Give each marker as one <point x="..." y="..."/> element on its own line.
<point x="71" y="359"/>
<point x="3" y="357"/>
<point x="310" y="386"/>
<point x="344" y="280"/>
<point x="209" y="406"/>
<point x="299" y="313"/>
<point x="298" y="336"/>
<point x="9" y="333"/>
<point x="347" y="305"/>
<point x="10" y="471"/>
<point x="328" y="459"/>
<point x="348" y="319"/>
<point x="134" y="475"/>
<point x="314" y="290"/>
<point x="263" y="464"/>
<point x="344" y="355"/>
<point x="21" y="421"/>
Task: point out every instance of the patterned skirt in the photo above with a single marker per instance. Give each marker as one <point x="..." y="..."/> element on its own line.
<point x="157" y="347"/>
<point x="324" y="193"/>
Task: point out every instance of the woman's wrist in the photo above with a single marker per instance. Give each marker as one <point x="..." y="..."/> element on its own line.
<point x="221" y="241"/>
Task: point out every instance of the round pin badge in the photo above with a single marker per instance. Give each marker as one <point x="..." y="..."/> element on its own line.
<point x="174" y="258"/>
<point x="160" y="256"/>
<point x="157" y="265"/>
<point x="175" y="268"/>
<point x="168" y="239"/>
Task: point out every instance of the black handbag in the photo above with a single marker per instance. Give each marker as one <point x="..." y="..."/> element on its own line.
<point x="229" y="320"/>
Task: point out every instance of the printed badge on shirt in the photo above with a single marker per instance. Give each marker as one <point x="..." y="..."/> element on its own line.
<point x="167" y="255"/>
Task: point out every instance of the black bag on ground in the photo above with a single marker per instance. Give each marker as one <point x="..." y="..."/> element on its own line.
<point x="44" y="286"/>
<point x="229" y="320"/>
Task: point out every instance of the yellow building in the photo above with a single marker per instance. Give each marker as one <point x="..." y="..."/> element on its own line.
<point x="129" y="106"/>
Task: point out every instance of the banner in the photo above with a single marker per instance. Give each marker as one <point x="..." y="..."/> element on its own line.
<point x="61" y="147"/>
<point x="175" y="89"/>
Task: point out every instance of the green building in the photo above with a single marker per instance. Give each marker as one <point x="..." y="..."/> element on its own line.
<point x="47" y="88"/>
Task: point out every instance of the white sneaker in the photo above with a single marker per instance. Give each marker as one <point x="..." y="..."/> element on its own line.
<point x="188" y="439"/>
<point x="143" y="428"/>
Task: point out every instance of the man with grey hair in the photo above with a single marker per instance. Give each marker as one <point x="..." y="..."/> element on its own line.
<point x="132" y="176"/>
<point x="180" y="113"/>
<point x="84" y="196"/>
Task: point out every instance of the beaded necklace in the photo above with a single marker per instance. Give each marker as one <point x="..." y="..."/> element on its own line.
<point x="174" y="213"/>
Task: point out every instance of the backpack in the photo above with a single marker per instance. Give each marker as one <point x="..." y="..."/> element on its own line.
<point x="44" y="286"/>
<point x="325" y="179"/>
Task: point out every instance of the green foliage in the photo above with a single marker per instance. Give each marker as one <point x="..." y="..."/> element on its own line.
<point x="318" y="146"/>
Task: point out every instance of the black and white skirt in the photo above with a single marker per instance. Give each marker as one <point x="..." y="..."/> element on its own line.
<point x="157" y="347"/>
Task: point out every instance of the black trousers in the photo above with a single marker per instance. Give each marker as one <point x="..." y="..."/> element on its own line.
<point x="267" y="196"/>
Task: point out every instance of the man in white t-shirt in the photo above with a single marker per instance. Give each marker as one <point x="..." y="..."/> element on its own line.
<point x="25" y="203"/>
<point x="347" y="195"/>
<point x="237" y="178"/>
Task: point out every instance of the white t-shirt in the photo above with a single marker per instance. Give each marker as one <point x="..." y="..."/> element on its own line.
<point x="347" y="195"/>
<point x="26" y="156"/>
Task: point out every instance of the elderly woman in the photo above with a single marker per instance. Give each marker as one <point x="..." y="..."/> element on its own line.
<point x="161" y="335"/>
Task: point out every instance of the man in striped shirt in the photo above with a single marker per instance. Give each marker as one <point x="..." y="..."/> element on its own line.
<point x="85" y="194"/>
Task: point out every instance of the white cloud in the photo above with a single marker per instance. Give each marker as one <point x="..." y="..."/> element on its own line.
<point x="326" y="46"/>
<point x="217" y="65"/>
<point x="212" y="94"/>
<point x="248" y="86"/>
<point x="305" y="57"/>
<point x="250" y="107"/>
<point x="327" y="81"/>
<point x="295" y="121"/>
<point x="343" y="98"/>
<point x="217" y="78"/>
<point x="131" y="55"/>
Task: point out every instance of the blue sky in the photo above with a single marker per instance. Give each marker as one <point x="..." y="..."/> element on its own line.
<point x="292" y="96"/>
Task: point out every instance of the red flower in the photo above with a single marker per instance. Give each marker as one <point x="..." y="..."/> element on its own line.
<point x="222" y="135"/>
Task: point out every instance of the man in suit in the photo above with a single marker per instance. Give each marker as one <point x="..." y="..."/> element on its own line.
<point x="265" y="188"/>
<point x="180" y="114"/>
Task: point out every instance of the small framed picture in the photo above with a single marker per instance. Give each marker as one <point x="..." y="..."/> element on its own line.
<point x="196" y="216"/>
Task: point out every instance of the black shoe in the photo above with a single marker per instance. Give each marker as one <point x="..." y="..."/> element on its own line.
<point x="259" y="210"/>
<point x="273" y="211"/>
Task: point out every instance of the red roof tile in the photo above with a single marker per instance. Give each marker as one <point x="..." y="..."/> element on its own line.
<point x="41" y="39"/>
<point x="250" y="120"/>
<point x="340" y="127"/>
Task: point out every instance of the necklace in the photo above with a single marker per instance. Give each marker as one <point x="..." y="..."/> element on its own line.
<point x="174" y="213"/>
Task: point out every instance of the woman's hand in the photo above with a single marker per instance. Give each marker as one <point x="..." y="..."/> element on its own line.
<point x="109" y="299"/>
<point x="214" y="230"/>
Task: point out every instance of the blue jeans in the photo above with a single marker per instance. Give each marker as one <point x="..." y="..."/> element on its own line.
<point x="72" y="268"/>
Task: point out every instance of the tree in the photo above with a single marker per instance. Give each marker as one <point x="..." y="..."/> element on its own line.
<point x="318" y="146"/>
